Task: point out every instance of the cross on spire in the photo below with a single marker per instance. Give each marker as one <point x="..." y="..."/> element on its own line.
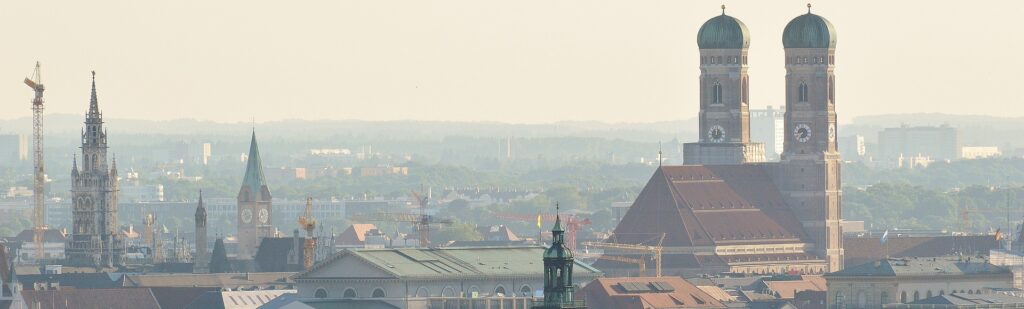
<point x="723" y="9"/>
<point x="808" y="8"/>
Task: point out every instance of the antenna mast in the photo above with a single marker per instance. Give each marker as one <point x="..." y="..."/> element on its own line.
<point x="39" y="179"/>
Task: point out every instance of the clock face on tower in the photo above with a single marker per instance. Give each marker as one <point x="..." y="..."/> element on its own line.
<point x="831" y="132"/>
<point x="246" y="215"/>
<point x="264" y="215"/>
<point x="802" y="133"/>
<point x="716" y="134"/>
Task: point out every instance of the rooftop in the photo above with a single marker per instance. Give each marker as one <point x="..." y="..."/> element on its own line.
<point x="921" y="266"/>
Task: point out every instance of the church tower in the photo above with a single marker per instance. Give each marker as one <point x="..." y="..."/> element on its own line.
<point x="202" y="257"/>
<point x="558" y="263"/>
<point x="254" y="206"/>
<point x="724" y="96"/>
<point x="809" y="171"/>
<point x="95" y="238"/>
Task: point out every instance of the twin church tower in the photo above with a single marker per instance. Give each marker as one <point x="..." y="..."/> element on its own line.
<point x="808" y="174"/>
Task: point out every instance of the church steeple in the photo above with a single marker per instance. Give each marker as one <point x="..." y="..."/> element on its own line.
<point x="558" y="263"/>
<point x="94" y="106"/>
<point x="254" y="182"/>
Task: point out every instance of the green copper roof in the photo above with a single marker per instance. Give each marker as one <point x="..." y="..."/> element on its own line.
<point x="254" y="179"/>
<point x="809" y="31"/>
<point x="558" y="248"/>
<point x="723" y="32"/>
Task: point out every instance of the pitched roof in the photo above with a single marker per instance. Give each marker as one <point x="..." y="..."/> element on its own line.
<point x="497" y="233"/>
<point x="932" y="266"/>
<point x="76" y="280"/>
<point x="449" y="262"/>
<point x="228" y="280"/>
<point x="960" y="299"/>
<point x="49" y="235"/>
<point x="646" y="292"/>
<point x="178" y="297"/>
<point x="272" y="255"/>
<point x="787" y="289"/>
<point x="354" y="235"/>
<point x="235" y="299"/>
<point x="696" y="205"/>
<point x="92" y="298"/>
<point x="860" y="250"/>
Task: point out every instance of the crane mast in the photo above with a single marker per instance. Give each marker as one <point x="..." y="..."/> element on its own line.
<point x="39" y="179"/>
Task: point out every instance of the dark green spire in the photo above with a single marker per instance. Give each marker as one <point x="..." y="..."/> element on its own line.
<point x="558" y="263"/>
<point x="254" y="179"/>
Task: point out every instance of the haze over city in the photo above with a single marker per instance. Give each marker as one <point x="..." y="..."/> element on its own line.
<point x="464" y="60"/>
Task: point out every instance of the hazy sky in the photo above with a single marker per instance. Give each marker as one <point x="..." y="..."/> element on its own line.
<point x="512" y="61"/>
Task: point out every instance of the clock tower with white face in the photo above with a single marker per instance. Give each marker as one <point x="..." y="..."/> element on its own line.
<point x="808" y="175"/>
<point x="724" y="96"/>
<point x="254" y="206"/>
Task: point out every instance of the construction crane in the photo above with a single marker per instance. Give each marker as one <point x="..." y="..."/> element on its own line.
<point x="572" y="224"/>
<point x="39" y="179"/>
<point x="422" y="220"/>
<point x="308" y="223"/>
<point x="654" y="251"/>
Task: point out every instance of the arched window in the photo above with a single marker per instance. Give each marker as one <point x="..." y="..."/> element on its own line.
<point x="832" y="89"/>
<point x="526" y="291"/>
<point x="903" y="297"/>
<point x="448" y="291"/>
<point x="349" y="293"/>
<point x="716" y="93"/>
<point x="970" y="291"/>
<point x="378" y="293"/>
<point x="802" y="92"/>
<point x="499" y="291"/>
<point x="917" y="296"/>
<point x="942" y="292"/>
<point x="320" y="293"/>
<point x="422" y="292"/>
<point x="745" y="91"/>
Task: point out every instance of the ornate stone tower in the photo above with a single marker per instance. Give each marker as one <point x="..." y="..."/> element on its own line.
<point x="254" y="206"/>
<point x="202" y="257"/>
<point x="558" y="263"/>
<point x="809" y="172"/>
<point x="95" y="237"/>
<point x="724" y="96"/>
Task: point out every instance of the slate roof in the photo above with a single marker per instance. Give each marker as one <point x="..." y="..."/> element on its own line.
<point x="646" y="292"/>
<point x="696" y="205"/>
<point x="272" y="255"/>
<point x="931" y="266"/>
<point x="350" y="304"/>
<point x="92" y="298"/>
<point x="228" y="280"/>
<point x="452" y="262"/>
<point x="960" y="299"/>
<point x="178" y="297"/>
<point x="860" y="250"/>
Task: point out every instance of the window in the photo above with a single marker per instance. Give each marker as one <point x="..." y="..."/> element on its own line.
<point x="378" y="293"/>
<point x="499" y="291"/>
<point x="903" y="297"/>
<point x="349" y="294"/>
<point x="716" y="93"/>
<point x="321" y="293"/>
<point x="885" y="297"/>
<point x="422" y="292"/>
<point x="802" y="92"/>
<point x="917" y="296"/>
<point x="832" y="89"/>
<point x="745" y="91"/>
<point x="526" y="291"/>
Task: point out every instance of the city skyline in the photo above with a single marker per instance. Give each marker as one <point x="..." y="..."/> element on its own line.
<point x="463" y="60"/>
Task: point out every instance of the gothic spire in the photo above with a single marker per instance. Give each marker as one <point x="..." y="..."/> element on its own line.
<point x="74" y="165"/>
<point x="94" y="108"/>
<point x="200" y="211"/>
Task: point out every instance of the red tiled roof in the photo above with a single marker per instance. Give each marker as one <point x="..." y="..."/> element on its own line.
<point x="354" y="235"/>
<point x="787" y="289"/>
<point x="608" y="293"/>
<point x="697" y="205"/>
